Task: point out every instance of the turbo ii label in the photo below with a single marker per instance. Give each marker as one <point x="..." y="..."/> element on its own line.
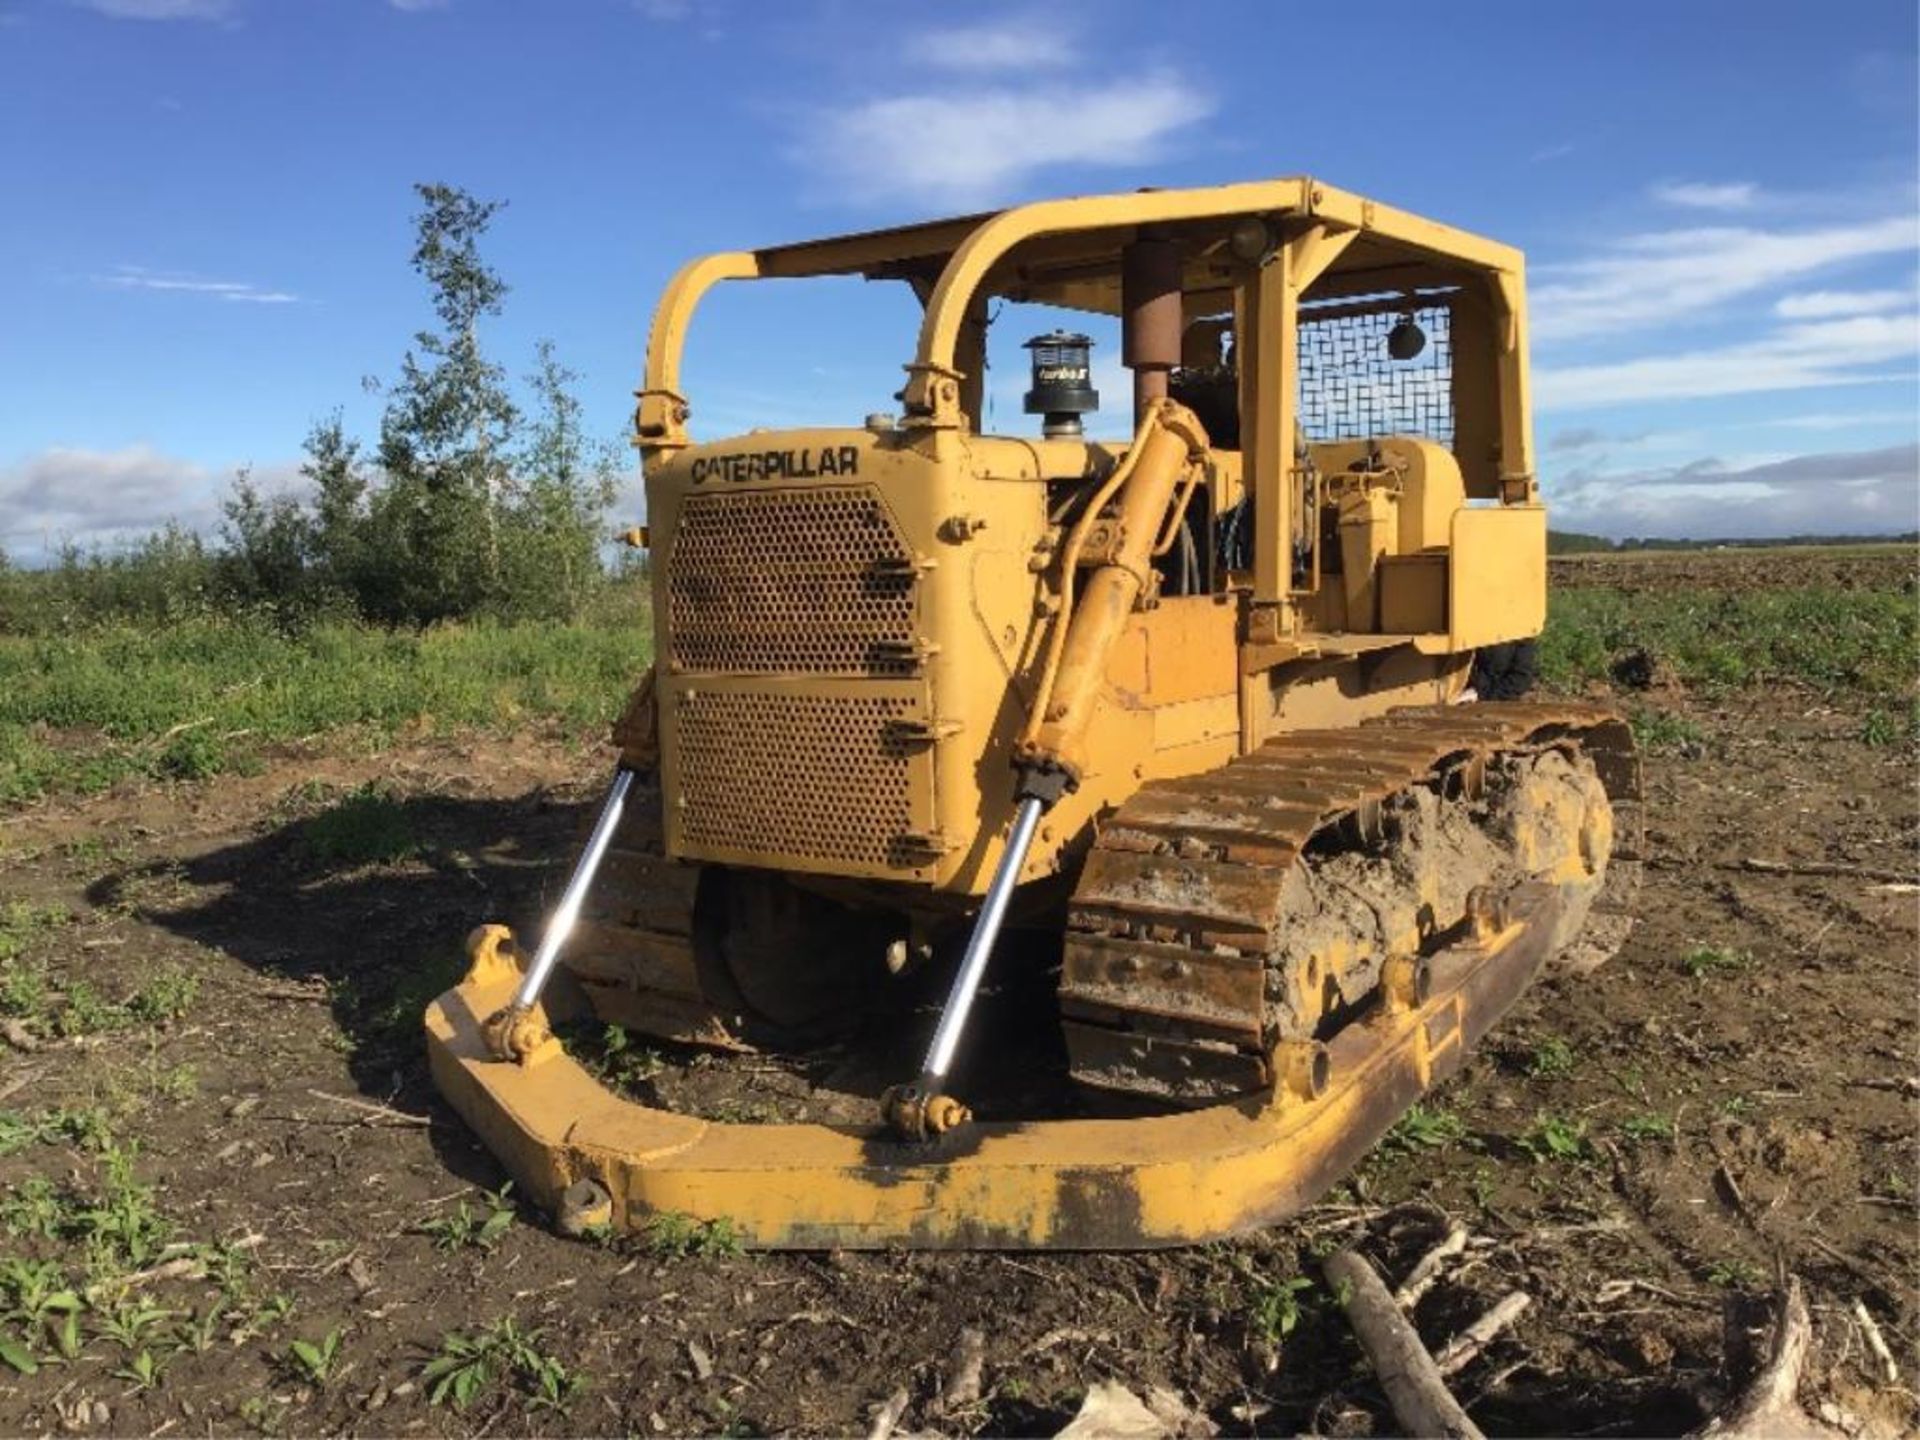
<point x="807" y="464"/>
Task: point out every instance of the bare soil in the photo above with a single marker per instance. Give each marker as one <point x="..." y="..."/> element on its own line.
<point x="1727" y="1093"/>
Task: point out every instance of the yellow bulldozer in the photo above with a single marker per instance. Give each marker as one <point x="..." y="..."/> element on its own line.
<point x="1194" y="709"/>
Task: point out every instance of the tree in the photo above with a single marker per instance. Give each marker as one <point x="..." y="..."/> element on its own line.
<point x="466" y="506"/>
<point x="565" y="484"/>
<point x="447" y="427"/>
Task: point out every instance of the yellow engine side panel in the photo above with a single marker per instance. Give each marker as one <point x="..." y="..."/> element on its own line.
<point x="1498" y="588"/>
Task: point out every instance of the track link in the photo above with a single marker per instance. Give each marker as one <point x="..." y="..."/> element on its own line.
<point x="1170" y="985"/>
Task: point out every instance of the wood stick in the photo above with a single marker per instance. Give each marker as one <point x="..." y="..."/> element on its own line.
<point x="1426" y="1270"/>
<point x="887" y="1417"/>
<point x="1420" y="1399"/>
<point x="1908" y="1085"/>
<point x="1876" y="1342"/>
<point x="387" y="1112"/>
<point x="1459" y="1352"/>
<point x="1756" y="866"/>
<point x="962" y="1387"/>
<point x="1771" y="1405"/>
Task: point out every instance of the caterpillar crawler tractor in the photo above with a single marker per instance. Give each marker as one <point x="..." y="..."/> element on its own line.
<point x="1193" y="708"/>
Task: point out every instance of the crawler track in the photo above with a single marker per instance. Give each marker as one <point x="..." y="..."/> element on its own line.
<point x="1179" y="971"/>
<point x="634" y="953"/>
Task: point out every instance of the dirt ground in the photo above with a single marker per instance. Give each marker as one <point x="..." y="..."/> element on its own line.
<point x="1635" y="1150"/>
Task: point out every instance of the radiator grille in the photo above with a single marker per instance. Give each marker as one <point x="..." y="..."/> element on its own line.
<point x="804" y="776"/>
<point x="807" y="582"/>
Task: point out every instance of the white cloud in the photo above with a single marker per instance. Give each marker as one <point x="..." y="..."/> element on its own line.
<point x="1693" y="195"/>
<point x="417" y="5"/>
<point x="1829" y="420"/>
<point x="136" y="277"/>
<point x="1652" y="279"/>
<point x="109" y="497"/>
<point x="160" y="9"/>
<point x="1830" y="352"/>
<point x="1831" y="304"/>
<point x="1855" y="492"/>
<point x="1035" y="42"/>
<point x="93" y="496"/>
<point x="664" y="9"/>
<point x="975" y="146"/>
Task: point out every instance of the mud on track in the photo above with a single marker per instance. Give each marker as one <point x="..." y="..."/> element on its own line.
<point x="1725" y="1091"/>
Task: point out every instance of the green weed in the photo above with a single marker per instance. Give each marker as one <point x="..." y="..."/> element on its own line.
<point x="33" y="1207"/>
<point x="1734" y="1274"/>
<point x="1647" y="1126"/>
<point x="314" y="1359"/>
<point x="168" y="996"/>
<point x="1424" y="1127"/>
<point x="130" y="1323"/>
<point x="1273" y="1307"/>
<point x="84" y="1011"/>
<point x="123" y="687"/>
<point x="1837" y="641"/>
<point x="1883" y="726"/>
<point x="22" y="923"/>
<point x="143" y="1369"/>
<point x="469" y="1364"/>
<point x="675" y="1236"/>
<point x="1662" y="732"/>
<point x="1556" y="1138"/>
<point x="1704" y="961"/>
<point x="1551" y="1059"/>
<point x="124" y="1228"/>
<point x="192" y="754"/>
<point x="369" y="827"/>
<point x="467" y="1225"/>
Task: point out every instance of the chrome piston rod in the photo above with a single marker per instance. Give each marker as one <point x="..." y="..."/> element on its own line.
<point x="567" y="913"/>
<point x="986" y="930"/>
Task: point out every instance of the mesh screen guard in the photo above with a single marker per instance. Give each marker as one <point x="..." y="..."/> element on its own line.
<point x="1351" y="389"/>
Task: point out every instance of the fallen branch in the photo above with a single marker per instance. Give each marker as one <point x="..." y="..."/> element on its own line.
<point x="402" y="1117"/>
<point x="1770" y="1409"/>
<point x="1824" y="868"/>
<point x="1426" y="1270"/>
<point x="1907" y="1085"/>
<point x="1461" y="1350"/>
<point x="962" y="1387"/>
<point x="887" y="1417"/>
<point x="1420" y="1399"/>
<point x="1876" y="1342"/>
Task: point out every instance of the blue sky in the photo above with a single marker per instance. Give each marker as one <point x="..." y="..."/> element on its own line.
<point x="208" y="206"/>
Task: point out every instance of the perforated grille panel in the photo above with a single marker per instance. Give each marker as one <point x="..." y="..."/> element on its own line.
<point x="808" y="776"/>
<point x="809" y="582"/>
<point x="1351" y="389"/>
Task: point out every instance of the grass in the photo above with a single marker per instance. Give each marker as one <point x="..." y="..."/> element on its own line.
<point x="1551" y="1059"/>
<point x="1649" y="1125"/>
<point x="80" y="711"/>
<point x="1556" y="1138"/>
<point x="313" y="1360"/>
<point x="473" y="1227"/>
<point x="369" y="827"/>
<point x="468" y="1365"/>
<point x="1664" y="733"/>
<point x="1273" y="1306"/>
<point x="1424" y="1127"/>
<point x="674" y="1236"/>
<point x="1705" y="961"/>
<point x="1833" y="640"/>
